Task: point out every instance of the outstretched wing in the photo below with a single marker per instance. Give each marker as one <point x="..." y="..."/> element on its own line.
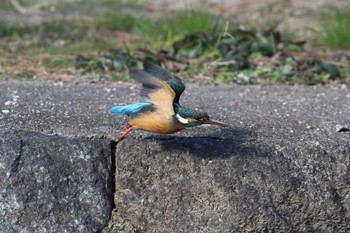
<point x="171" y="79"/>
<point x="157" y="91"/>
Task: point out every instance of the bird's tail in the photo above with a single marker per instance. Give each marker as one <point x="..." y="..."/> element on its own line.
<point x="129" y="109"/>
<point x="122" y="110"/>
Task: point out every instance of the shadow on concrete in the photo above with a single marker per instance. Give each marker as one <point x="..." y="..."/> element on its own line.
<point x="220" y="144"/>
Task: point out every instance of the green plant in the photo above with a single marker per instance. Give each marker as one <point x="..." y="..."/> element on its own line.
<point x="335" y="30"/>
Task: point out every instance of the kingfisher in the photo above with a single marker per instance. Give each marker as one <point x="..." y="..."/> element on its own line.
<point x="161" y="112"/>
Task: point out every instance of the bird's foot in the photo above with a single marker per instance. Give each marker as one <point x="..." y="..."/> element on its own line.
<point x="128" y="129"/>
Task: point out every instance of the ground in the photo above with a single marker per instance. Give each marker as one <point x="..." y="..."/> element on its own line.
<point x="51" y="52"/>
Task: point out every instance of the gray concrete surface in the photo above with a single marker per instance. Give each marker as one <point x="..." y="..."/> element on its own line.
<point x="53" y="183"/>
<point x="281" y="167"/>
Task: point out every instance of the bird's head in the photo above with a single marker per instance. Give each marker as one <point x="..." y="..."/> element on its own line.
<point x="190" y="117"/>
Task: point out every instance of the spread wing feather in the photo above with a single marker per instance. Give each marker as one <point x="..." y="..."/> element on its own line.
<point x="156" y="91"/>
<point x="171" y="79"/>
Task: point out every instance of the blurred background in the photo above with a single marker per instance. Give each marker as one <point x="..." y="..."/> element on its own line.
<point x="227" y="41"/>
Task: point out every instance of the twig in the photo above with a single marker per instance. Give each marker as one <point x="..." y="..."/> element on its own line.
<point x="222" y="63"/>
<point x="225" y="33"/>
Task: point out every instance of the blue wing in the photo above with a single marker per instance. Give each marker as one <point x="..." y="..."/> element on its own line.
<point x="132" y="109"/>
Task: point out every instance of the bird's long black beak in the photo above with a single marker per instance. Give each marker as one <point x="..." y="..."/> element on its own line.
<point x="215" y="122"/>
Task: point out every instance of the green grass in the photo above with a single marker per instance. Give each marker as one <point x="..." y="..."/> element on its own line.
<point x="335" y="29"/>
<point x="183" y="23"/>
<point x="166" y="30"/>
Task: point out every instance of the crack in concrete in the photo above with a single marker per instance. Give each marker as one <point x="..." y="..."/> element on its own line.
<point x="113" y="171"/>
<point x="15" y="164"/>
<point x="111" y="181"/>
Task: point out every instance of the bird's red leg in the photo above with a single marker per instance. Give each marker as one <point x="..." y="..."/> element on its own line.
<point x="128" y="128"/>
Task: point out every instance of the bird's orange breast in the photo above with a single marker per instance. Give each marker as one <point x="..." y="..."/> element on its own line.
<point x="157" y="123"/>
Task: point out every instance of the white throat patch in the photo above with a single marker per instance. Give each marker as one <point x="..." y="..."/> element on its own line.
<point x="181" y="119"/>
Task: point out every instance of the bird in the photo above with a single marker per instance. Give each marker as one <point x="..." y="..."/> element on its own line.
<point x="161" y="111"/>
